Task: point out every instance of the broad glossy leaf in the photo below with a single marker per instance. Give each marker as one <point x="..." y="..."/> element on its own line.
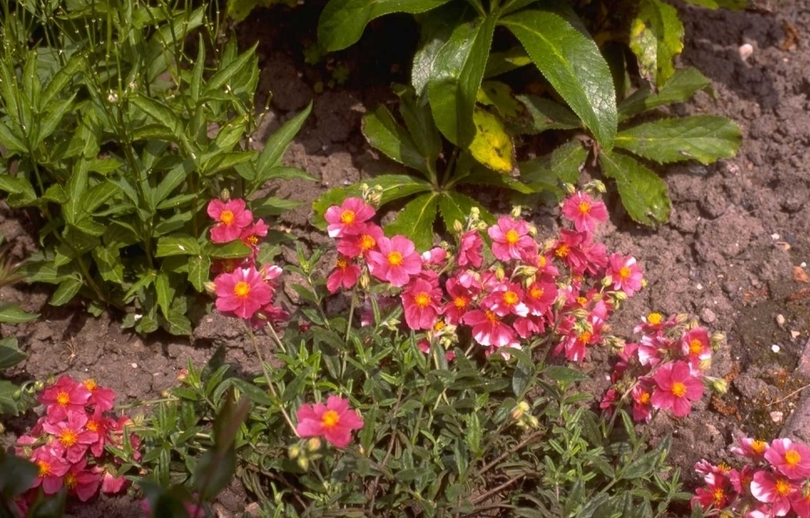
<point x="342" y="21"/>
<point x="435" y="29"/>
<point x="454" y="206"/>
<point x="418" y="119"/>
<point x="480" y="175"/>
<point x="502" y="62"/>
<point x="10" y="353"/>
<point x="643" y="193"/>
<point x="456" y="76"/>
<point x="499" y="96"/>
<point x="656" y="37"/>
<point x="12" y="314"/>
<point x="492" y="146"/>
<point x="109" y="264"/>
<point x="705" y="138"/>
<point x="161" y="113"/>
<point x="173" y="179"/>
<point x="199" y="271"/>
<point x="416" y="221"/>
<point x="66" y="291"/>
<point x="177" y="245"/>
<point x="386" y="135"/>
<point x="680" y="87"/>
<point x="549" y="171"/>
<point x="277" y="145"/>
<point x="546" y="114"/>
<point x="555" y="40"/>
<point x="233" y="250"/>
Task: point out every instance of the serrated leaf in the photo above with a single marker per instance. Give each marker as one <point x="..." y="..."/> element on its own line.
<point x="289" y="173"/>
<point x="10" y="138"/>
<point x="229" y="71"/>
<point x="560" y="166"/>
<point x="480" y="175"/>
<point x="277" y="145"/>
<point x="456" y="76"/>
<point x="705" y="138"/>
<point x="680" y="87"/>
<point x="199" y="271"/>
<point x="12" y="314"/>
<point x="177" y="245"/>
<point x="502" y="62"/>
<point x="643" y="193"/>
<point x="492" y="146"/>
<point x="386" y="135"/>
<point x="416" y="221"/>
<point x="17" y="185"/>
<point x="499" y="96"/>
<point x="66" y="291"/>
<point x="178" y="323"/>
<point x="10" y="353"/>
<point x="342" y="22"/>
<point x="546" y="114"/>
<point x="725" y="4"/>
<point x="656" y="37"/>
<point x="97" y="195"/>
<point x="555" y="40"/>
<point x="435" y="30"/>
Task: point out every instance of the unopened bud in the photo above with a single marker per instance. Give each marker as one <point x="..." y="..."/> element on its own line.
<point x="482" y="225"/>
<point x="717" y="340"/>
<point x="570" y="188"/>
<point x="499" y="272"/>
<point x="314" y="444"/>
<point x="458" y="228"/>
<point x="532" y="231"/>
<point x="620" y="295"/>
<point x="516" y="211"/>
<point x="519" y="410"/>
<point x="364" y="187"/>
<point x="182" y="374"/>
<point x="391" y="324"/>
<point x="475" y="212"/>
<point x="294" y="451"/>
<point x="607" y="281"/>
<point x="138" y="420"/>
<point x="364" y="281"/>
<point x="16" y="395"/>
<point x="718" y="385"/>
<point x="598" y="186"/>
<point x="681" y="318"/>
<point x="705" y="365"/>
<point x="303" y="463"/>
<point x="225" y="195"/>
<point x="210" y="287"/>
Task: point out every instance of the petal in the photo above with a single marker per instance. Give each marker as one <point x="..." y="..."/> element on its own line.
<point x="309" y="428"/>
<point x="338" y="436"/>
<point x="338" y="404"/>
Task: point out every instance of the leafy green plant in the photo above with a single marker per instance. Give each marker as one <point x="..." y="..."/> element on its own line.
<point x="116" y="133"/>
<point x="582" y="50"/>
<point x="13" y="398"/>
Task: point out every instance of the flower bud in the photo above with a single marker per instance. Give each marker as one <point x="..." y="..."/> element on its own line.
<point x="364" y="281"/>
<point x="620" y="295"/>
<point x="717" y="340"/>
<point x="210" y="287"/>
<point x="391" y="324"/>
<point x="570" y="188"/>
<point x="364" y="187"/>
<point x="294" y="451"/>
<point x="16" y="395"/>
<point x="607" y="281"/>
<point x="520" y="409"/>
<point x="314" y="444"/>
<point x="303" y="463"/>
<point x="532" y="231"/>
<point x="499" y="272"/>
<point x="225" y="195"/>
<point x="718" y="385"/>
<point x="458" y="228"/>
<point x="482" y="225"/>
<point x="516" y="211"/>
<point x="705" y="365"/>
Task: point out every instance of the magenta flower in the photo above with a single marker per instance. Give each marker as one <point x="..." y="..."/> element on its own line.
<point x="506" y="298"/>
<point x="696" y="347"/>
<point x="540" y="296"/>
<point x="469" y="250"/>
<point x="242" y="292"/>
<point x="584" y="212"/>
<point x="349" y="218"/>
<point x="345" y="274"/>
<point x="81" y="481"/>
<point x="800" y="502"/>
<point x="111" y="484"/>
<point x="420" y="302"/>
<point x="355" y="245"/>
<point x="52" y="467"/>
<point x="488" y="329"/>
<point x="71" y="435"/>
<point x="394" y="261"/>
<point x="460" y="298"/>
<point x="232" y="218"/>
<point x="625" y="273"/>
<point x="773" y="489"/>
<point x="333" y="421"/>
<point x="579" y="253"/>
<point x="434" y="257"/>
<point x="252" y="234"/>
<point x="511" y="239"/>
<point x="790" y="458"/>
<point x="66" y="394"/>
<point x="642" y="395"/>
<point x="102" y="399"/>
<point x="676" y="388"/>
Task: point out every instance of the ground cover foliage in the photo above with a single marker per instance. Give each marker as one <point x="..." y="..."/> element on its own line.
<point x="422" y="409"/>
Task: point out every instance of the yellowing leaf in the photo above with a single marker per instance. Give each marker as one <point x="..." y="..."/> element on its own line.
<point x="499" y="95"/>
<point x="656" y="37"/>
<point x="491" y="145"/>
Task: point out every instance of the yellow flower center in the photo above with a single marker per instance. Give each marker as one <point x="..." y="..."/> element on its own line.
<point x="510" y="298"/>
<point x="92" y="426"/>
<point x="253" y="240"/>
<point x="644" y="398"/>
<point x="562" y="250"/>
<point x="585" y="337"/>
<point x="460" y="302"/>
<point x="718" y="495"/>
<point x="512" y="236"/>
<point x="422" y="299"/>
<point x="654" y="318"/>
<point x="68" y="437"/>
<point x="536" y="292"/>
<point x="492" y="317"/>
<point x="367" y="242"/>
<point x="541" y="261"/>
<point x="792" y="457"/>
<point x="439" y="325"/>
<point x="584" y="207"/>
<point x="44" y="468"/>
<point x="330" y="419"/>
<point x="347" y="217"/>
<point x="624" y="272"/>
<point x="242" y="289"/>
<point x="394" y="258"/>
<point x="758" y="447"/>
<point x="226" y="217"/>
<point x="70" y="480"/>
<point x="695" y="346"/>
<point x="63" y="398"/>
<point x="782" y="486"/>
<point x="342" y="264"/>
<point x="90" y="384"/>
<point x="678" y="389"/>
<point x="582" y="301"/>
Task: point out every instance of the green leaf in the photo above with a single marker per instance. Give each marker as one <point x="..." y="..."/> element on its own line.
<point x="109" y="264"/>
<point x="62" y="78"/>
<point x="52" y="118"/>
<point x="272" y="206"/>
<point x="75" y="187"/>
<point x="165" y="292"/>
<point x="555" y="40"/>
<point x="161" y="113"/>
<point x="66" y="291"/>
<point x="386" y="135"/>
<point x="17" y="185"/>
<point x="10" y="138"/>
<point x="12" y="314"/>
<point x="492" y="146"/>
<point x="232" y="250"/>
<point x="680" y="87"/>
<point x="342" y="21"/>
<point x="277" y="145"/>
<point x="172" y="180"/>
<point x="238" y="10"/>
<point x="456" y="76"/>
<point x="223" y="76"/>
<point x="643" y="193"/>
<point x="565" y="374"/>
<point x="725" y="4"/>
<point x="656" y="37"/>
<point x="199" y="271"/>
<point x="560" y="166"/>
<point x="482" y="176"/>
<point x="178" y="244"/>
<point x="10" y="353"/>
<point x="416" y="221"/>
<point x="454" y="206"/>
<point x="435" y="29"/>
<point x="419" y="121"/>
<point x="8" y="405"/>
<point x="97" y="195"/>
<point x="502" y="62"/>
<point x="545" y="114"/>
<point x="288" y="173"/>
<point x="705" y="138"/>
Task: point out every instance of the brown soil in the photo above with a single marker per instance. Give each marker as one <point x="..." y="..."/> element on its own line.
<point x="738" y="230"/>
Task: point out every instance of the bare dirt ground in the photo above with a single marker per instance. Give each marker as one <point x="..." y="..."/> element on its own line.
<point x="735" y="252"/>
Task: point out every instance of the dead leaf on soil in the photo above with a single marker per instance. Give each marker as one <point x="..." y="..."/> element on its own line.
<point x="799" y="275"/>
<point x="791" y="36"/>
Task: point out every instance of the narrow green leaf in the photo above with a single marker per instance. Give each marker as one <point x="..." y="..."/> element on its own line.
<point x="456" y="76"/>
<point x="232" y="250"/>
<point x="109" y="264"/>
<point x="288" y="173"/>
<point x="161" y="113"/>
<point x="416" y="221"/>
<point x="62" y="78"/>
<point x="272" y="206"/>
<point x="97" y="195"/>
<point x="419" y="121"/>
<point x="76" y="185"/>
<point x="196" y="82"/>
<point x="277" y="145"/>
<point x="177" y="323"/>
<point x="66" y="291"/>
<point x="386" y="135"/>
<point x="483" y="176"/>
<point x="545" y="114"/>
<point x="342" y="21"/>
<point x="8" y="405"/>
<point x="643" y="193"/>
<point x="725" y="4"/>
<point x="12" y="314"/>
<point x="53" y="117"/>
<point x="561" y="165"/>
<point x="656" y="37"/>
<point x="222" y="77"/>
<point x="217" y="162"/>
<point x="173" y="179"/>
<point x="555" y="40"/>
<point x="165" y="292"/>
<point x="10" y="138"/>
<point x="502" y="62"/>
<point x="680" y="87"/>
<point x="177" y="245"/>
<point x="238" y="10"/>
<point x="17" y="185"/>
<point x="565" y="374"/>
<point x="199" y="271"/>
<point x="10" y="353"/>
<point x="705" y="138"/>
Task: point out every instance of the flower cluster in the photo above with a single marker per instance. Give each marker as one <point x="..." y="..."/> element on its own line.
<point x="665" y="369"/>
<point x="516" y="289"/>
<point x="243" y="289"/>
<point x="774" y="481"/>
<point x="68" y="442"/>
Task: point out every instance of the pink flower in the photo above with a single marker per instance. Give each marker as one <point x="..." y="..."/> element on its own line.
<point x="434" y="257"/>
<point x="625" y="273"/>
<point x="52" y="467"/>
<point x="83" y="482"/>
<point x="66" y="394"/>
<point x="111" y="484"/>
<point x="511" y="239"/>
<point x="579" y="253"/>
<point x="252" y="234"/>
<point x="790" y="458"/>
<point x="355" y="245"/>
<point x="584" y="211"/>
<point x="333" y="421"/>
<point x="718" y="493"/>
<point x="242" y="292"/>
<point x="642" y="395"/>
<point x="576" y="344"/>
<point x="800" y="502"/>
<point x="420" y="301"/>
<point x="540" y="296"/>
<point x="752" y="448"/>
<point x="696" y="347"/>
<point x="102" y="399"/>
<point x="232" y="218"/>
<point x="71" y="435"/>
<point x="460" y="299"/>
<point x="345" y="274"/>
<point x="773" y="489"/>
<point x="469" y="250"/>
<point x="348" y="219"/>
<point x="487" y="329"/>
<point x="676" y="388"/>
<point x="506" y="299"/>
<point x="395" y="260"/>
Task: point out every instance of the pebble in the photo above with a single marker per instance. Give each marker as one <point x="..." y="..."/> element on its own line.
<point x="707" y="315"/>
<point x="775" y="348"/>
<point x="134" y="365"/>
<point x="794" y="335"/>
<point x="746" y="50"/>
<point x="776" y="417"/>
<point x="780" y="319"/>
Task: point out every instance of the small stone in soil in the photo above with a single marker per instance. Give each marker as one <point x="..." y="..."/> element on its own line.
<point x="776" y="417"/>
<point x="780" y="319"/>
<point x="775" y="348"/>
<point x="707" y="315"/>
